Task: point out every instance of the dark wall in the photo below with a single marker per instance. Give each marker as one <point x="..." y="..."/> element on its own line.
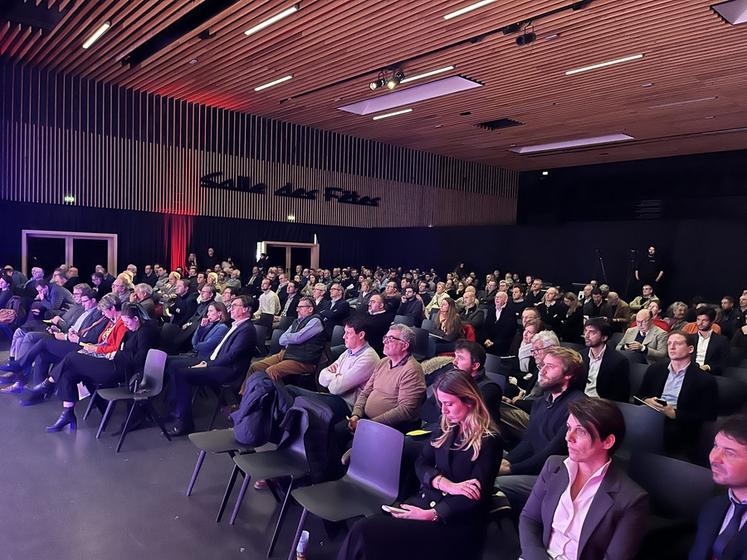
<point x="702" y="256"/>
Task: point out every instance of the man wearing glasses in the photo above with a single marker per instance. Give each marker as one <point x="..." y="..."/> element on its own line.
<point x="335" y="311"/>
<point x="228" y="362"/>
<point x="303" y="342"/>
<point x="395" y="392"/>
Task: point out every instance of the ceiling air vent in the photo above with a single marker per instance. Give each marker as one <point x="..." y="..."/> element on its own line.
<point x="498" y="124"/>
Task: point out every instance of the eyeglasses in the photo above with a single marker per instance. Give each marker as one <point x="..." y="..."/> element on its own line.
<point x="237" y="305"/>
<point x="389" y="338"/>
<point x="303" y="306"/>
<point x="538" y="350"/>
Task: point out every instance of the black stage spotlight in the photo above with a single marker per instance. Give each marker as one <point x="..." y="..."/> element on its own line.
<point x="396" y="78"/>
<point x="376" y="84"/>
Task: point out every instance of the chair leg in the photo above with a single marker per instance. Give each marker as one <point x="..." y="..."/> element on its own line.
<point x="196" y="471"/>
<point x="151" y="411"/>
<point x="90" y="405"/>
<point x="105" y="418"/>
<point x="126" y="426"/>
<point x="281" y="515"/>
<point x="240" y="498"/>
<point x="227" y="494"/>
<point x="297" y="536"/>
<point x="216" y="409"/>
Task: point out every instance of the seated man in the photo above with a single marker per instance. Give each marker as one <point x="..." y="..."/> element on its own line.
<point x="596" y="306"/>
<point x="269" y="302"/>
<point x="293" y="296"/>
<point x="392" y="297"/>
<point x="469" y="357"/>
<point x="607" y="371"/>
<point x="639" y="302"/>
<point x="471" y="314"/>
<point x="377" y="321"/>
<point x="690" y="395"/>
<point x="619" y="312"/>
<point x="412" y="307"/>
<point x="227" y="363"/>
<point x="534" y="292"/>
<point x="304" y="343"/>
<point x="721" y="531"/>
<point x="48" y="348"/>
<point x="396" y="390"/>
<point x="177" y="338"/>
<point x="552" y="311"/>
<point x="184" y="305"/>
<point x="143" y="294"/>
<point x="335" y="311"/>
<point x="561" y="518"/>
<point x="562" y="371"/>
<point x="500" y="327"/>
<point x="517" y="303"/>
<point x="348" y="375"/>
<point x="647" y="341"/>
<point x="711" y="349"/>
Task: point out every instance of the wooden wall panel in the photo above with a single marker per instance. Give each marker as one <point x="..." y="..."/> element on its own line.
<point x="111" y="147"/>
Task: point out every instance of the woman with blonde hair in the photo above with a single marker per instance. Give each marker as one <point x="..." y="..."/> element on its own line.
<point x="448" y="516"/>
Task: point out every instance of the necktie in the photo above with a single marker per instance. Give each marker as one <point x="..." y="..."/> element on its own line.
<point x="730" y="532"/>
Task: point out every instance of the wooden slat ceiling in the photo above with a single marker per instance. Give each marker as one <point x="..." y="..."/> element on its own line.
<point x="690" y="53"/>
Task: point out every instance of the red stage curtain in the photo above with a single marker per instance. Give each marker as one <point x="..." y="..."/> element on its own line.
<point x="177" y="235"/>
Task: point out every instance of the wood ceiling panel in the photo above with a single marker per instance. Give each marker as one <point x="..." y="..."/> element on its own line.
<point x="690" y="53"/>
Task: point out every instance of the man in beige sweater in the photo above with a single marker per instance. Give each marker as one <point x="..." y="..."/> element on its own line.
<point x="396" y="390"/>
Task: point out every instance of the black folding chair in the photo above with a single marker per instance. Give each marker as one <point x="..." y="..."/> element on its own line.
<point x="217" y="442"/>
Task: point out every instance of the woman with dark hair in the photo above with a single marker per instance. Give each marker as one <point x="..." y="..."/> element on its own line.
<point x="572" y="323"/>
<point x="448" y="516"/>
<point x="213" y="327"/>
<point x="584" y="506"/>
<point x="448" y="326"/>
<point x="118" y="362"/>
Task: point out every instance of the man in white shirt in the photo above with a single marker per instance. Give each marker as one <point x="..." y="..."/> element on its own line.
<point x="711" y="349"/>
<point x="347" y="376"/>
<point x="585" y="507"/>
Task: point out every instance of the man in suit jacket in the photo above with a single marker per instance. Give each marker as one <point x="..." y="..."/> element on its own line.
<point x="690" y="394"/>
<point x="607" y="371"/>
<point x="229" y="361"/>
<point x="500" y="327"/>
<point x="608" y="516"/>
<point x="334" y="311"/>
<point x="647" y="341"/>
<point x="721" y="531"/>
<point x="711" y="349"/>
<point x="377" y="321"/>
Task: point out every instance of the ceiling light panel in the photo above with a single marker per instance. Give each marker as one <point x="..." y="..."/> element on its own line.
<point x="274" y="19"/>
<point x="575" y="143"/>
<point x="734" y="11"/>
<point x="427" y="74"/>
<point x="274" y="83"/>
<point x="411" y="95"/>
<point x="393" y="114"/>
<point x="604" y="64"/>
<point x="467" y="9"/>
<point x="97" y="35"/>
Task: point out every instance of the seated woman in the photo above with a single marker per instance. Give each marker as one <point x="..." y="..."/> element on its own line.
<point x="105" y="364"/>
<point x="447" y="326"/>
<point x="572" y="323"/>
<point x="585" y="507"/>
<point x="213" y="327"/>
<point x="448" y="516"/>
<point x="655" y="308"/>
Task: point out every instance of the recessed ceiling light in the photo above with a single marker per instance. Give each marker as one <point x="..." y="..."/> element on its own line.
<point x="193" y="61"/>
<point x="97" y="34"/>
<point x="603" y="64"/>
<point x="393" y="114"/>
<point x="274" y="83"/>
<point x="551" y="37"/>
<point x="648" y="84"/>
<point x="426" y="74"/>
<point x="685" y="102"/>
<point x="274" y="19"/>
<point x="711" y="117"/>
<point x="467" y="9"/>
<point x="575" y="143"/>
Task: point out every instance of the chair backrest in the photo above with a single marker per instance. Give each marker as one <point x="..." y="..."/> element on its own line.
<point x="403" y="320"/>
<point x="376" y="457"/>
<point x="677" y="489"/>
<point x="336" y="351"/>
<point x="337" y="334"/>
<point x="732" y="395"/>
<point x="738" y="373"/>
<point x="265" y="319"/>
<point x="637" y="371"/>
<point x="497" y="378"/>
<point x="614" y="339"/>
<point x="285" y="323"/>
<point x="427" y="325"/>
<point x="573" y="346"/>
<point x="155" y="364"/>
<point x="262" y="333"/>
<point x="492" y="363"/>
<point x="644" y="428"/>
<point x="274" y="347"/>
<point x="422" y="348"/>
